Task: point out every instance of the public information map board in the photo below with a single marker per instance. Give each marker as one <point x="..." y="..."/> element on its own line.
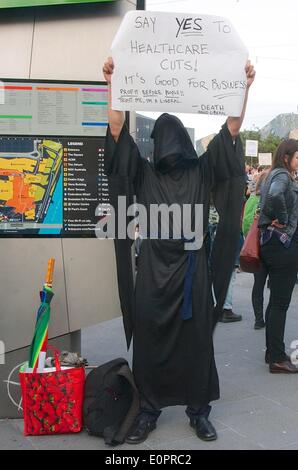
<point x="36" y="3"/>
<point x="51" y="157"/>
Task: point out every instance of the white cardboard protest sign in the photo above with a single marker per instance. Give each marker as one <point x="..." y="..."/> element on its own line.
<point x="265" y="159"/>
<point x="178" y="62"/>
<point x="251" y="148"/>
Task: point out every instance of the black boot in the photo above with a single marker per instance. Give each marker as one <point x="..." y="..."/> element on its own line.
<point x="228" y="316"/>
<point x="140" y="429"/>
<point x="259" y="324"/>
<point x="200" y="422"/>
<point x="204" y="428"/>
<point x="259" y="316"/>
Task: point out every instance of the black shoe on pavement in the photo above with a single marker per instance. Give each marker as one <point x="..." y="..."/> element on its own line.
<point x="259" y="324"/>
<point x="204" y="429"/>
<point x="140" y="431"/>
<point x="229" y="316"/>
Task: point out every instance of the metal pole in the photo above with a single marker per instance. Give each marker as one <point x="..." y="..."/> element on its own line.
<point x="141" y="4"/>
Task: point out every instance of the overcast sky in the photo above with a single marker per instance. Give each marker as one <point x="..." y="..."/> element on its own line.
<point x="269" y="29"/>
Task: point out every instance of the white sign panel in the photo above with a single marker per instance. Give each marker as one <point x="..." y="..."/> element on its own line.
<point x="178" y="62"/>
<point x="265" y="159"/>
<point x="251" y="148"/>
<point x="53" y="108"/>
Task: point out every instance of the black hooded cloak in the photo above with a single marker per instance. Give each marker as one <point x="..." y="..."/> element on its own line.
<point x="170" y="310"/>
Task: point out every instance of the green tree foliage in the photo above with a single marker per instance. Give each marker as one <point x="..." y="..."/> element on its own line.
<point x="269" y="144"/>
<point x="250" y="135"/>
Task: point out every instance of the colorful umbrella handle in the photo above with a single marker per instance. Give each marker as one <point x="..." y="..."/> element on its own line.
<point x="50" y="273"/>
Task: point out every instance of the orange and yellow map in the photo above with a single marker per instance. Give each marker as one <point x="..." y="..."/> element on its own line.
<point x="28" y="180"/>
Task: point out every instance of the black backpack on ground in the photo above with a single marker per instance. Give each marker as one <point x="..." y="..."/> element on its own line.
<point x="111" y="401"/>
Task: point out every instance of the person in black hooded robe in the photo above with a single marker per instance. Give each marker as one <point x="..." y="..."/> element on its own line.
<point x="170" y="310"/>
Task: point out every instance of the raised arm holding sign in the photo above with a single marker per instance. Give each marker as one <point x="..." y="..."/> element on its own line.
<point x="116" y="118"/>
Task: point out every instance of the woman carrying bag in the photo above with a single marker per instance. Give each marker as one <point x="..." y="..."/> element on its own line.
<point x="279" y="249"/>
<point x="260" y="276"/>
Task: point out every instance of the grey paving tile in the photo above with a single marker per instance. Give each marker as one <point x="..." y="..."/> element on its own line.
<point x="290" y="447"/>
<point x="227" y="440"/>
<point x="263" y="421"/>
<point x="253" y="378"/>
<point x="80" y="441"/>
<point x="10" y="439"/>
<point x="231" y="391"/>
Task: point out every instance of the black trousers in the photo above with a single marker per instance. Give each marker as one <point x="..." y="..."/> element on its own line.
<point x="151" y="415"/>
<point x="282" y="266"/>
<point x="257" y="295"/>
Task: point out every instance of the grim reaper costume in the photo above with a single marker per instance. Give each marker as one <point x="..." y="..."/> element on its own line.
<point x="170" y="310"/>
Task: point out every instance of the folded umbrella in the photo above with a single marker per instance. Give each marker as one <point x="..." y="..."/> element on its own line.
<point x="39" y="343"/>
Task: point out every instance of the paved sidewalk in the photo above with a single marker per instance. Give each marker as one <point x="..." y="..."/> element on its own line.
<point x="257" y="410"/>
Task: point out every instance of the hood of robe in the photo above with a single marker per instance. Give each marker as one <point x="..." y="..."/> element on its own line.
<point x="173" y="147"/>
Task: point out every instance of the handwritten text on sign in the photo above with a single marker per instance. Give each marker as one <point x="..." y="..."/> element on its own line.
<point x="180" y="63"/>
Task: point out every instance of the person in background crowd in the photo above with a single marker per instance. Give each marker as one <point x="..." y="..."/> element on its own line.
<point x="260" y="276"/>
<point x="228" y="316"/>
<point x="279" y="249"/>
